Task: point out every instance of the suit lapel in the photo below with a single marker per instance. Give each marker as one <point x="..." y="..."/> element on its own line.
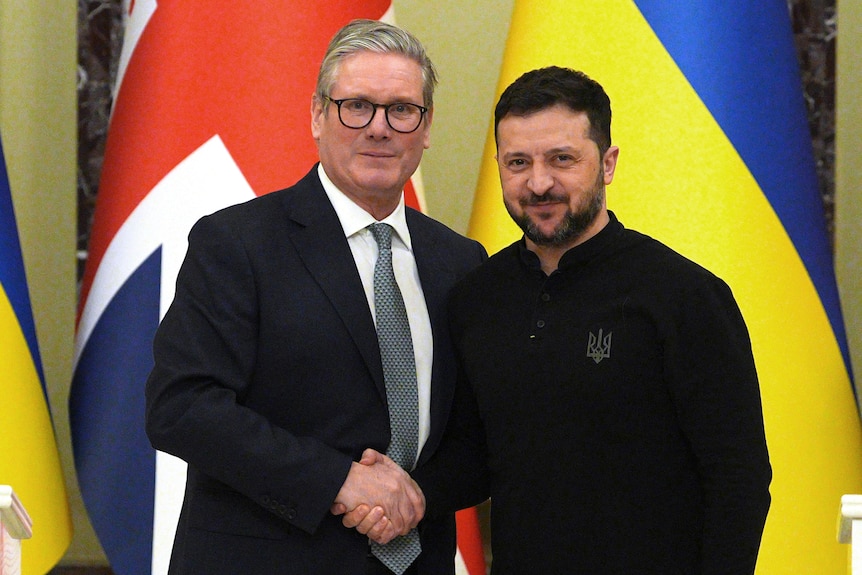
<point x="434" y="270"/>
<point x="437" y="277"/>
<point x="319" y="240"/>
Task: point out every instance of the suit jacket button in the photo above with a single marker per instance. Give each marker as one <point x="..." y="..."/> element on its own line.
<point x="291" y="513"/>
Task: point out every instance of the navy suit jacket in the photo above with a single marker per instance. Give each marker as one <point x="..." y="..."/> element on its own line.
<point x="268" y="382"/>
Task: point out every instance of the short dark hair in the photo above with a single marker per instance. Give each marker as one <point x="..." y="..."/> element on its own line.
<point x="546" y="87"/>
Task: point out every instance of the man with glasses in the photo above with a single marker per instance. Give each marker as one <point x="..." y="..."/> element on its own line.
<point x="274" y="365"/>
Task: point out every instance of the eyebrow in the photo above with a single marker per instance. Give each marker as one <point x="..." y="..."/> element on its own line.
<point x="570" y="150"/>
<point x="396" y="100"/>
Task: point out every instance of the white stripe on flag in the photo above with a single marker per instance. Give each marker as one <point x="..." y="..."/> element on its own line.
<point x="460" y="566"/>
<point x="206" y="181"/>
<point x="170" y="488"/>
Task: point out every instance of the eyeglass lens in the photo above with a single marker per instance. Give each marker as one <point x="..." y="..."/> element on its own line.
<point x="358" y="113"/>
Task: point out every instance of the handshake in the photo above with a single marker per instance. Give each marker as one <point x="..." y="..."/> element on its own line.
<point x="379" y="499"/>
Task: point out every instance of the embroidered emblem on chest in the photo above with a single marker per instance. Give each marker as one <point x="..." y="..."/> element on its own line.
<point x="599" y="346"/>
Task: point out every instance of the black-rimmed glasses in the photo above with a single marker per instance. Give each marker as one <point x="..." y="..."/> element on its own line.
<point x="357" y="113"/>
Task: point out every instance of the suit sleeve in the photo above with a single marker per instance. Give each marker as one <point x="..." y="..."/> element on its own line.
<point x="205" y="353"/>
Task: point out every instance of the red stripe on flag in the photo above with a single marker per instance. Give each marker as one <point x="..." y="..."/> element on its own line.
<point x="410" y="197"/>
<point x="470" y="541"/>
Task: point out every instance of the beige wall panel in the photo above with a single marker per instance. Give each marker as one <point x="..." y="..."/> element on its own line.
<point x="466" y="41"/>
<point x="848" y="174"/>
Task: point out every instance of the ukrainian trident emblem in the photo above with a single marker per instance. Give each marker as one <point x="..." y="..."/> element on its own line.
<point x="599" y="346"/>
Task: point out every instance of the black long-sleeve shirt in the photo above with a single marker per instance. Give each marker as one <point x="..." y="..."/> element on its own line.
<point x="611" y="410"/>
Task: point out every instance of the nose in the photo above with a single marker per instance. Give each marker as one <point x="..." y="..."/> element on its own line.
<point x="540" y="179"/>
<point x="379" y="126"/>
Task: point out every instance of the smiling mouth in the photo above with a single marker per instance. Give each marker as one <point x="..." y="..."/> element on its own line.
<point x="544" y="200"/>
<point x="377" y="154"/>
<point x="543" y="206"/>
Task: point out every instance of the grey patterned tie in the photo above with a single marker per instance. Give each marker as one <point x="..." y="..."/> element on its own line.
<point x="402" y="395"/>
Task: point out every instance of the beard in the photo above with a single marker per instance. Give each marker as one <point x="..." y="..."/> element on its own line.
<point x="573" y="224"/>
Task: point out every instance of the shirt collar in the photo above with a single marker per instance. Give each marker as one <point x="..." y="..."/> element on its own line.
<point x="354" y="219"/>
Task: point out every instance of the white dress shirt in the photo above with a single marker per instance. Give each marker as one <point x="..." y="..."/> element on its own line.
<point x="355" y="221"/>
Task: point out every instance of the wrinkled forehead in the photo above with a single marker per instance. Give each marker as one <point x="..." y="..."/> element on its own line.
<point x="372" y="75"/>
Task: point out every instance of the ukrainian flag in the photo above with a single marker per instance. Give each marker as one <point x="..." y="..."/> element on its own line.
<point x="29" y="461"/>
<point x="716" y="161"/>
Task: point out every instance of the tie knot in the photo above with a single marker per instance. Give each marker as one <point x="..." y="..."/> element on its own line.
<point x="383" y="235"/>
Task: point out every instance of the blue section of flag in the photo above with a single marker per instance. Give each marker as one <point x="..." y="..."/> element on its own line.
<point x="739" y="56"/>
<point x="113" y="457"/>
<point x="12" y="275"/>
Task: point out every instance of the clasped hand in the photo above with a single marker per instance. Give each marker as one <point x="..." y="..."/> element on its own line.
<point x="379" y="499"/>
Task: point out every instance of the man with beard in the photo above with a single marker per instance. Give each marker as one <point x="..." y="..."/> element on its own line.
<point x="608" y="400"/>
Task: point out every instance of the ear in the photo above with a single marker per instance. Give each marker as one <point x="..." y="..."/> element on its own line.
<point x="609" y="163"/>
<point x="316" y="117"/>
<point x="426" y="140"/>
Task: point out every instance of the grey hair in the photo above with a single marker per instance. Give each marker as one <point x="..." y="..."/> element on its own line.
<point x="382" y="38"/>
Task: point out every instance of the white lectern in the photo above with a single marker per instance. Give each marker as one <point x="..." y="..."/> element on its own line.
<point x="15" y="525"/>
<point x="850" y="529"/>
